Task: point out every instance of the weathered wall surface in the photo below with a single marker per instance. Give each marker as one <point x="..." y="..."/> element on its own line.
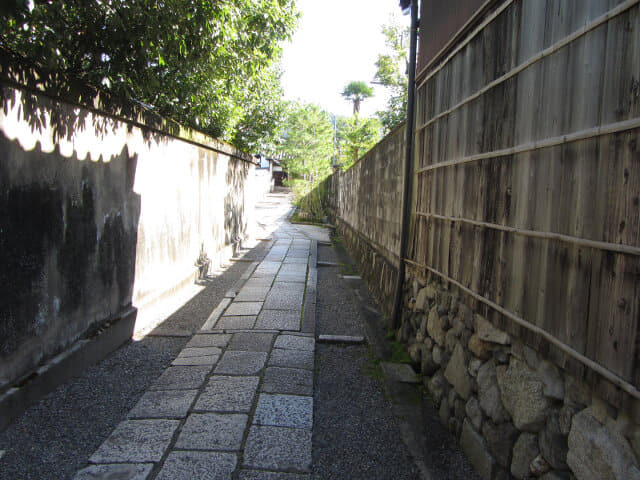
<point x="521" y="302"/>
<point x="365" y="202"/>
<point x="97" y="214"/>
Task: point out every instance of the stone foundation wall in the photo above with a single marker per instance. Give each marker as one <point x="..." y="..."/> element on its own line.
<point x="515" y="413"/>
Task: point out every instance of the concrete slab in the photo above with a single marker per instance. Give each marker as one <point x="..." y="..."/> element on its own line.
<point x="252" y="294"/>
<point x="241" y="363"/>
<point x="198" y="465"/>
<point x="251" y="342"/>
<point x="349" y="339"/>
<point x="278" y="448"/>
<point x="284" y="411"/>
<point x="164" y="404"/>
<point x="136" y="441"/>
<point x="295" y="342"/>
<point x="209" y="340"/>
<point x="122" y="471"/>
<point x="399" y="372"/>
<point x="212" y="431"/>
<point x="262" y="475"/>
<point x="235" y="323"/>
<point x="294" y="381"/>
<point x="181" y="378"/>
<point x="281" y="357"/>
<point x="279" y="320"/>
<point x="203" y="360"/>
<point x="228" y="394"/>
<point x="243" y="308"/>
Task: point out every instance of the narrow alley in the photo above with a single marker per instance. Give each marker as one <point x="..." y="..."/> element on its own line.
<point x="263" y="375"/>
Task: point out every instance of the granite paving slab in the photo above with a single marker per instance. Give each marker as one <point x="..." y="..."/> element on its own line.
<point x="285" y="296"/>
<point x="199" y="351"/>
<point x="278" y="448"/>
<point x="212" y="431"/>
<point x="252" y="294"/>
<point x="289" y="260"/>
<point x="243" y="308"/>
<point x="298" y="252"/>
<point x="293" y="268"/>
<point x="298" y="277"/>
<point x="209" y="340"/>
<point x="261" y="281"/>
<point x="182" y="465"/>
<point x="189" y="361"/>
<point x="115" y="471"/>
<point x="279" y="319"/>
<point x="235" y="323"/>
<point x="136" y="441"/>
<point x="295" y="381"/>
<point x="251" y="342"/>
<point x="241" y="363"/>
<point x="181" y="378"/>
<point x="164" y="404"/>
<point x="296" y="342"/>
<point x="262" y="475"/>
<point x="281" y="357"/>
<point x="228" y="394"/>
<point x="284" y="411"/>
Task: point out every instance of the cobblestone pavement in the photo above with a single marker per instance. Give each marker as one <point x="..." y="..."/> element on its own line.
<point x="237" y="401"/>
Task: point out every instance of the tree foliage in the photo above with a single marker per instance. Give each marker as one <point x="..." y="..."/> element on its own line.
<point x="356" y="92"/>
<point x="391" y="74"/>
<point x="307" y="142"/>
<point x="355" y="138"/>
<point x="207" y="64"/>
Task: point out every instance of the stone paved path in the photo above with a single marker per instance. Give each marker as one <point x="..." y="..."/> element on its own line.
<point x="237" y="402"/>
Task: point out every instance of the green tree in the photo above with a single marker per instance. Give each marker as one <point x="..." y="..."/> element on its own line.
<point x="356" y="92"/>
<point x="200" y="62"/>
<point x="355" y="138"/>
<point x="307" y="149"/>
<point x="391" y="74"/>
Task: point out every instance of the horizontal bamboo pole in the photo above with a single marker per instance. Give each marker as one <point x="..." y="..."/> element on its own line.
<point x="539" y="144"/>
<point x="583" y="242"/>
<point x="596" y="367"/>
<point x="526" y="64"/>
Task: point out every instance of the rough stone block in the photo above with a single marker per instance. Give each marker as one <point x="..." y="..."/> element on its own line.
<point x="198" y="465"/>
<point x="435" y="326"/>
<point x="456" y="373"/>
<point x="500" y="439"/>
<point x="284" y="411"/>
<point x="181" y="378"/>
<point x="278" y="448"/>
<point x="552" y="380"/>
<point x="472" y="409"/>
<point x="292" y="381"/>
<point x="474" y="447"/>
<point x="437" y="387"/>
<point x="489" y="394"/>
<point x="523" y="395"/>
<point x="164" y="404"/>
<point x="598" y="452"/>
<point x="122" y="471"/>
<point x="524" y="451"/>
<point x="243" y="308"/>
<point x="399" y="372"/>
<point x="241" y="363"/>
<point x="296" y="342"/>
<point x="212" y="431"/>
<point x="487" y="332"/>
<point x="228" y="394"/>
<point x="136" y="441"/>
<point x="251" y="342"/>
<point x="281" y="357"/>
<point x="480" y="348"/>
<point x="553" y="444"/>
<point x="279" y="319"/>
